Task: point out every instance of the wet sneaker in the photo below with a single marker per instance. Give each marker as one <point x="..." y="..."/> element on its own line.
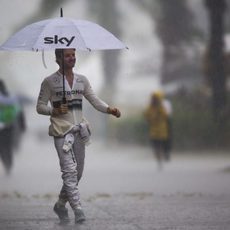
<point x="79" y="216"/>
<point x="62" y="213"/>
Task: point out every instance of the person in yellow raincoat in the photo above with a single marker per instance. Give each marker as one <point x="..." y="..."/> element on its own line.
<point x="158" y="116"/>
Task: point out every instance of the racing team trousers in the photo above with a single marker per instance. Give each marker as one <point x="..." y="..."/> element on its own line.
<point x="72" y="165"/>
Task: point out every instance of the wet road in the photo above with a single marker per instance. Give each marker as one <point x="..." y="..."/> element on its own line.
<point x="121" y="188"/>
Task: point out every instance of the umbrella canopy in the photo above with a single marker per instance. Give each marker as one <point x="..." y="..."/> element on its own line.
<point x="62" y="33"/>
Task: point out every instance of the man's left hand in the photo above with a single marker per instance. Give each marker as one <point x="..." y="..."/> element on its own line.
<point x="114" y="111"/>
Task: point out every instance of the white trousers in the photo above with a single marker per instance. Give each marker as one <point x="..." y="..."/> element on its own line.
<point x="72" y="165"/>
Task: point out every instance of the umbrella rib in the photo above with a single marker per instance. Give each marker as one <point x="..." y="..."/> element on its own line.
<point x="39" y="37"/>
<point x="81" y="37"/>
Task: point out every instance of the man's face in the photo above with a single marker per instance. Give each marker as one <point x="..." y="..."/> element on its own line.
<point x="69" y="58"/>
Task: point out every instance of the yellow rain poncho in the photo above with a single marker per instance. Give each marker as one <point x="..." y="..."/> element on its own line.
<point x="157" y="117"/>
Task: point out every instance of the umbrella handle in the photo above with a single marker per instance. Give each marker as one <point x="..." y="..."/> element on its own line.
<point x="63" y="91"/>
<point x="64" y="100"/>
<point x="63" y="79"/>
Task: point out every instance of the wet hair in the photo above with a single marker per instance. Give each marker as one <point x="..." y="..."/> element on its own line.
<point x="59" y="53"/>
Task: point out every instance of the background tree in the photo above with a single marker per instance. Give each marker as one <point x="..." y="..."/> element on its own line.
<point x="174" y="26"/>
<point x="177" y="31"/>
<point x="107" y="15"/>
<point x="215" y="58"/>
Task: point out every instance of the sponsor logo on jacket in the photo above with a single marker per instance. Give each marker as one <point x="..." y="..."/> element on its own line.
<point x="68" y="93"/>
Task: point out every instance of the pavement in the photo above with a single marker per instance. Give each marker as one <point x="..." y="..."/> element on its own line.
<point x="121" y="188"/>
<point x="124" y="212"/>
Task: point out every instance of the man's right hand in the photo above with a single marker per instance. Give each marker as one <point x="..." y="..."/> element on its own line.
<point x="63" y="109"/>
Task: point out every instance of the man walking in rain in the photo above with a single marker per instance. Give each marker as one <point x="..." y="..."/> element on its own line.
<point x="68" y="127"/>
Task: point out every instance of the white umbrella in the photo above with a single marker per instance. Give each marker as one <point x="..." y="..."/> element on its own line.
<point x="62" y="33"/>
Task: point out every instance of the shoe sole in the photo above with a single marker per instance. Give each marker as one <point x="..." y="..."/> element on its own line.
<point x="80" y="220"/>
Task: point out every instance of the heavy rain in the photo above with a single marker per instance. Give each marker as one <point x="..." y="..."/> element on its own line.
<point x="177" y="51"/>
